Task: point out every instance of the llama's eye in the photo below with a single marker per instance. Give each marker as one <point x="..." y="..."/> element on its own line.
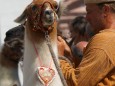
<point x="33" y="7"/>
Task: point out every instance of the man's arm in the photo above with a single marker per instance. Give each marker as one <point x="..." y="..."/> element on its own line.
<point x="92" y="69"/>
<point x="94" y="66"/>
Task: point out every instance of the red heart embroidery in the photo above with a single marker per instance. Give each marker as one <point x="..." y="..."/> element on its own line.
<point x="45" y="74"/>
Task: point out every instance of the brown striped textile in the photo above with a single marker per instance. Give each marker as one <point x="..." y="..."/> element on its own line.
<point x="97" y="66"/>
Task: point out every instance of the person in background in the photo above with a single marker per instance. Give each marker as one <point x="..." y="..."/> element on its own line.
<point x="97" y="67"/>
<point x="75" y="53"/>
<point x="78" y="50"/>
<point x="80" y="30"/>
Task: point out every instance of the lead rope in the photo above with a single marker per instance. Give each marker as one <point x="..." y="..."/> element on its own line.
<point x="54" y="59"/>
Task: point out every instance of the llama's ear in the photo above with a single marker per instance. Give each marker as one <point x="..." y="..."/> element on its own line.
<point x="61" y="8"/>
<point x="22" y="18"/>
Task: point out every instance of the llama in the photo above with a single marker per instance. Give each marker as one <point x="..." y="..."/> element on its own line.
<point x="40" y="18"/>
<point x="11" y="52"/>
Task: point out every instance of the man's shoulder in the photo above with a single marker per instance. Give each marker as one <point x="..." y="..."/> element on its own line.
<point x="102" y="39"/>
<point x="104" y="35"/>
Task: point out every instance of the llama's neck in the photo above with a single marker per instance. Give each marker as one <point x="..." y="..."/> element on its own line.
<point x="42" y="49"/>
<point x="31" y="59"/>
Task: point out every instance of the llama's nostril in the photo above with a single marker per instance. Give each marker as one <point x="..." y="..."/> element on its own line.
<point x="48" y="12"/>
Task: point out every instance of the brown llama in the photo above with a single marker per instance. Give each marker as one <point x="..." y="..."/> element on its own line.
<point x="11" y="52"/>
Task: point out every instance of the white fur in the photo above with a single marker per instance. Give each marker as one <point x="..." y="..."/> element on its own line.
<point x="20" y="72"/>
<point x="31" y="62"/>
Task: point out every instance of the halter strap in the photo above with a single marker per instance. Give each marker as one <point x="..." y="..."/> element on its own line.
<point x="38" y="25"/>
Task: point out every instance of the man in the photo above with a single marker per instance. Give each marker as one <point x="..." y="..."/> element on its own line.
<point x="97" y="67"/>
<point x="79" y="32"/>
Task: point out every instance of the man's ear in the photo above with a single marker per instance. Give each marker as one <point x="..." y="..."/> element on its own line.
<point x="106" y="10"/>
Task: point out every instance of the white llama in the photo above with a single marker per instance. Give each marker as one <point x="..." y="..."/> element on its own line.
<point x="40" y="19"/>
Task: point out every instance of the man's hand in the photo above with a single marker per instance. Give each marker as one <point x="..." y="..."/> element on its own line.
<point x="61" y="46"/>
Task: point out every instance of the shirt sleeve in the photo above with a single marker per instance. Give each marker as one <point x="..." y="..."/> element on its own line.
<point x="94" y="67"/>
<point x="109" y="80"/>
<point x="69" y="73"/>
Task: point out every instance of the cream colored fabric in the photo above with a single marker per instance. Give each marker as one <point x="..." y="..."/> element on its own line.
<point x="97" y="63"/>
<point x="97" y="1"/>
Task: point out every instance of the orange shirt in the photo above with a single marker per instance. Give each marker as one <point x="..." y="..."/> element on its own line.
<point x="98" y="61"/>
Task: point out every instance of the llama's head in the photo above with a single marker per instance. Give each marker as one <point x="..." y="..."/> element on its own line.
<point x="13" y="43"/>
<point x="41" y="14"/>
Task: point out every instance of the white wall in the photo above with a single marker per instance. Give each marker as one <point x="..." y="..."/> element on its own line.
<point x="9" y="10"/>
